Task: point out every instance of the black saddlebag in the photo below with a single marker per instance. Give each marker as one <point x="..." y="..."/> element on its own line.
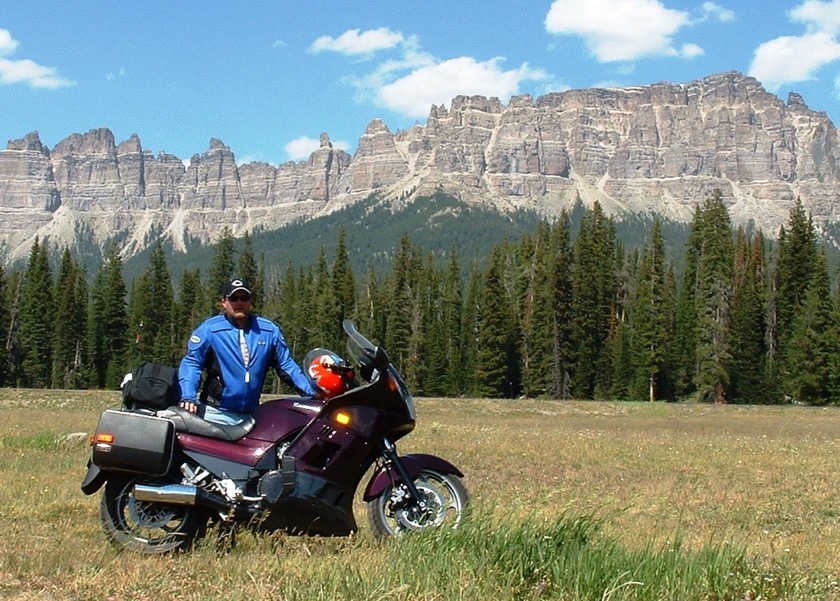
<point x="128" y="441"/>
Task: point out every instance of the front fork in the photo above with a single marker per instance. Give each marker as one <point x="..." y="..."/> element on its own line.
<point x="389" y="453"/>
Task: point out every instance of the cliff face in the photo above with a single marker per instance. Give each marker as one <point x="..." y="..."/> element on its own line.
<point x="661" y="148"/>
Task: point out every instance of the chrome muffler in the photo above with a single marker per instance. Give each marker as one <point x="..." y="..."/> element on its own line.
<point x="180" y="494"/>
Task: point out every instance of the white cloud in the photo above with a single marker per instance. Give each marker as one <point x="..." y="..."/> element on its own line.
<point x="25" y="70"/>
<point x="790" y="59"/>
<point x="716" y="12"/>
<point x="414" y="94"/>
<point x="300" y="148"/>
<point x="691" y="51"/>
<point x="621" y="30"/>
<point x="818" y="16"/>
<point x="356" y="42"/>
<point x="7" y="43"/>
<point x="412" y="80"/>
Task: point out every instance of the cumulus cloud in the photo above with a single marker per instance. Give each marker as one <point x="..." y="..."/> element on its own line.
<point x="300" y="148"/>
<point x="414" y="94"/>
<point x="7" y="44"/>
<point x="25" y="70"/>
<point x="621" y="30"/>
<point x="355" y="42"/>
<point x="408" y="80"/>
<point x="716" y="12"/>
<point x="790" y="59"/>
<point x="818" y="16"/>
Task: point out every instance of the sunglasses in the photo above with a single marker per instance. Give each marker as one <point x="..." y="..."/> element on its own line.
<point x="239" y="298"/>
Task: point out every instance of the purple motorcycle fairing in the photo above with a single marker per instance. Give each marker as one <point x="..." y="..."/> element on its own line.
<point x="275" y="420"/>
<point x="414" y="463"/>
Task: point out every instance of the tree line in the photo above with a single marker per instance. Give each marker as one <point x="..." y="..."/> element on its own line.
<point x="547" y="316"/>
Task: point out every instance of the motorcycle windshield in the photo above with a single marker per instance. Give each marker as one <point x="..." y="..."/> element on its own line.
<point x="362" y="351"/>
<point x="373" y="361"/>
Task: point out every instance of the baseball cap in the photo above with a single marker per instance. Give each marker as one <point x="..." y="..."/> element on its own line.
<point x="235" y="285"/>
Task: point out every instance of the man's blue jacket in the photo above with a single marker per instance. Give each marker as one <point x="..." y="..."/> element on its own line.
<point x="241" y="386"/>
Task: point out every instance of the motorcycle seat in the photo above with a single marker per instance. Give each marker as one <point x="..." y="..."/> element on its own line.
<point x="193" y="424"/>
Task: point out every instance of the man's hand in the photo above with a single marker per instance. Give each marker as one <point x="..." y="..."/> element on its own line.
<point x="191" y="406"/>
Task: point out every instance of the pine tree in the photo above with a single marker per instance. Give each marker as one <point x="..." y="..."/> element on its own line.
<point x="189" y="309"/>
<point x="436" y="340"/>
<point x="808" y="349"/>
<point x="562" y="309"/>
<point x="221" y="269"/>
<point x="151" y="311"/>
<point x="536" y="318"/>
<point x="108" y="323"/>
<point x="328" y="317"/>
<point x="795" y="271"/>
<point x="286" y="309"/>
<point x="343" y="281"/>
<point x="749" y="382"/>
<point x="685" y="327"/>
<point x="400" y="310"/>
<point x="69" y="350"/>
<point x="594" y="289"/>
<point x="371" y="308"/>
<point x="451" y="318"/>
<point x="652" y="321"/>
<point x="12" y="341"/>
<point x="5" y="330"/>
<point x="833" y="346"/>
<point x="37" y="319"/>
<point x="472" y="317"/>
<point x="496" y="357"/>
<point x="713" y="297"/>
<point x="248" y="269"/>
<point x="427" y="344"/>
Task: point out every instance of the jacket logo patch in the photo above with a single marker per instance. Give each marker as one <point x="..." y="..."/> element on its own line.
<point x="195" y="339"/>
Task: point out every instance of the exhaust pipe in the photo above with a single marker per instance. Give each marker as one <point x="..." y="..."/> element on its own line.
<point x="180" y="494"/>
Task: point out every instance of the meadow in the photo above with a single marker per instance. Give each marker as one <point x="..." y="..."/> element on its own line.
<point x="570" y="500"/>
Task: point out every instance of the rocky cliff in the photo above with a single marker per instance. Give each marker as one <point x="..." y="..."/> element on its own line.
<point x="661" y="148"/>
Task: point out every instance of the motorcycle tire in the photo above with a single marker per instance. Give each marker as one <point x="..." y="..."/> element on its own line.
<point x="446" y="498"/>
<point x="148" y="528"/>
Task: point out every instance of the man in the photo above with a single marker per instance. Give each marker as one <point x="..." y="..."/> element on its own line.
<point x="236" y="347"/>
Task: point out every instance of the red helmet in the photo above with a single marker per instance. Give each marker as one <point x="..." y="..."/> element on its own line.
<point x="328" y="373"/>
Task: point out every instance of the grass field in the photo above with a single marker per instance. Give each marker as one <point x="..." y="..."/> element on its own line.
<point x="571" y="500"/>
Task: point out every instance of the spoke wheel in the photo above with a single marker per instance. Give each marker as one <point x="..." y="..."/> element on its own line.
<point x="444" y="500"/>
<point x="144" y="527"/>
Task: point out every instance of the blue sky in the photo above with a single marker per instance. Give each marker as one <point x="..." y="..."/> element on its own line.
<point x="266" y="78"/>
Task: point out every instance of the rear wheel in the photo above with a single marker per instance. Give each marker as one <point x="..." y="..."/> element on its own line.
<point x="144" y="527"/>
<point x="394" y="511"/>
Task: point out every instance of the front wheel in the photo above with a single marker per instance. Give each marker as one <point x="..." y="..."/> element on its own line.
<point x="143" y="527"/>
<point x="394" y="511"/>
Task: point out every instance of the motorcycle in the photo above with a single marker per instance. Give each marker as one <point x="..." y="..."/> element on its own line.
<point x="294" y="465"/>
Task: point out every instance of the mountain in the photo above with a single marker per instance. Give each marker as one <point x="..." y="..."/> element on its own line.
<point x="657" y="149"/>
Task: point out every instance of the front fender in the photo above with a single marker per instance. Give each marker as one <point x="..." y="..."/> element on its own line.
<point x="94" y="479"/>
<point x="414" y="463"/>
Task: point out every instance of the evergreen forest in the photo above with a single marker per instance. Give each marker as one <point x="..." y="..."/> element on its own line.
<point x="560" y="312"/>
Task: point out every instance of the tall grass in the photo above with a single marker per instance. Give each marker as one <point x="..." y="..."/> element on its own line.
<point x="572" y="501"/>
